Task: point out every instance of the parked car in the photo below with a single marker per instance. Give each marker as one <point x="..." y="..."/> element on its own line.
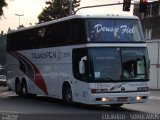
<point x="3" y="81"/>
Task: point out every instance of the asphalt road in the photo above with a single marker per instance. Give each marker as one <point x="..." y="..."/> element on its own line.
<point x="13" y="107"/>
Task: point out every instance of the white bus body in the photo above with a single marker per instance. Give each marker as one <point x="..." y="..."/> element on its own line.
<point x="61" y="71"/>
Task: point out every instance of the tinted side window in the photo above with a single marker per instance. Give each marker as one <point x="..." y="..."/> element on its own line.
<point x="66" y="33"/>
<point x="78" y="31"/>
<point x="57" y="34"/>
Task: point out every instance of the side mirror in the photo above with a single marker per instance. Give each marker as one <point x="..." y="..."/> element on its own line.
<point x="82" y="65"/>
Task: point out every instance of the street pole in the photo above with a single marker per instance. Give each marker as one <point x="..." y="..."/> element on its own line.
<point x="19" y="15"/>
<point x="70" y="11"/>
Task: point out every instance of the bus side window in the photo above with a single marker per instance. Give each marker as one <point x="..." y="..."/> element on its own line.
<point x="78" y="31"/>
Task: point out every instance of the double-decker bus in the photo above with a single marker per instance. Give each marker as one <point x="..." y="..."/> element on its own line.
<point x="90" y="59"/>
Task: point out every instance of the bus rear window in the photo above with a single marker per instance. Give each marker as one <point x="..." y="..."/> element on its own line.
<point x="114" y="30"/>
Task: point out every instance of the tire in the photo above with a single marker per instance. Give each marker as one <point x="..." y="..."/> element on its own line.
<point x="18" y="88"/>
<point x="24" y="89"/>
<point x="67" y="95"/>
<point x="114" y="106"/>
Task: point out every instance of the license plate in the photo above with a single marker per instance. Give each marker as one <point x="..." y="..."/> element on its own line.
<point x="122" y="99"/>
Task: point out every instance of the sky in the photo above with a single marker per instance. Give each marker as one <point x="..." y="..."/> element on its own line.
<point x="30" y="9"/>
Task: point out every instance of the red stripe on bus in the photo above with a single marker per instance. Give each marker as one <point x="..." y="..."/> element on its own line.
<point x="38" y="79"/>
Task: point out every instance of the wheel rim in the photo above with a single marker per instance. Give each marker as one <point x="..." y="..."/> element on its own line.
<point x="69" y="95"/>
<point x="24" y="90"/>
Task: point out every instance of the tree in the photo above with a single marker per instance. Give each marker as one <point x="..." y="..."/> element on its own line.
<point x="2" y="4"/>
<point x="57" y="9"/>
<point x="2" y="33"/>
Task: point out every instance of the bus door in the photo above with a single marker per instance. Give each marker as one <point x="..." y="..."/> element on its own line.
<point x="79" y="63"/>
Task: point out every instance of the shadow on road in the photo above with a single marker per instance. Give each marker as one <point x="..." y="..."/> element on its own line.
<point x="102" y="108"/>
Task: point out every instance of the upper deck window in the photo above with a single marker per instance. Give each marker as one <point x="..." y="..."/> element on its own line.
<point x="114" y="30"/>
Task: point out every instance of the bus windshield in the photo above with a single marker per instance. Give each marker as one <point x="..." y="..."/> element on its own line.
<point x="114" y="30"/>
<point x="119" y="63"/>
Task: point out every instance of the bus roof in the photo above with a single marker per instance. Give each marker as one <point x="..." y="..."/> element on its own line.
<point x="74" y="17"/>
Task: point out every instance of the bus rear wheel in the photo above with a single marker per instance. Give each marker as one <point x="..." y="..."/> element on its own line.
<point x="67" y="95"/>
<point x="18" y="88"/>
